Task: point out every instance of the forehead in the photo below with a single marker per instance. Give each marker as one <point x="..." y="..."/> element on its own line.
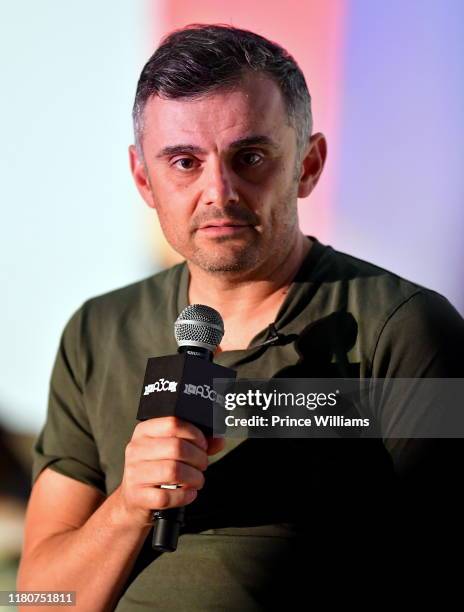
<point x="255" y="106"/>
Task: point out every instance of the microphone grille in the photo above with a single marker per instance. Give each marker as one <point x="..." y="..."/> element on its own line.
<point x="199" y="325"/>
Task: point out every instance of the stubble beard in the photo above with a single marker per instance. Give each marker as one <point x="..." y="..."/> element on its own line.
<point x="236" y="259"/>
<point x="245" y="257"/>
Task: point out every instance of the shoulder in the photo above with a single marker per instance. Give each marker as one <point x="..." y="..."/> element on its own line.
<point x="377" y="286"/>
<point x="395" y="317"/>
<point x="378" y="293"/>
<point x="423" y="336"/>
<point x="126" y="307"/>
<point x="157" y="287"/>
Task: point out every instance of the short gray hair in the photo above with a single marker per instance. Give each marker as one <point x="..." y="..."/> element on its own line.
<point x="199" y="59"/>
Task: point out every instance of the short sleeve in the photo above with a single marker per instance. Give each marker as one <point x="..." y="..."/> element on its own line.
<point x="422" y="339"/>
<point x="66" y="443"/>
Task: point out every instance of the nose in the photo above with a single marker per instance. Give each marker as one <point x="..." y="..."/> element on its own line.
<point x="218" y="186"/>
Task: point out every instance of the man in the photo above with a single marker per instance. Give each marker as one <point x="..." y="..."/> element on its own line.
<point x="223" y="150"/>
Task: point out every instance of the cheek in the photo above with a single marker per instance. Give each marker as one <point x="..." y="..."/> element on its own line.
<point x="172" y="220"/>
<point x="172" y="206"/>
<point x="278" y="182"/>
<point x="278" y="195"/>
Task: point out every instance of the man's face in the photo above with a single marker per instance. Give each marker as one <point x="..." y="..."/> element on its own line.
<point x="221" y="173"/>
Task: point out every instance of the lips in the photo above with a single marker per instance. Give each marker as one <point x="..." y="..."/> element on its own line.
<point x="222" y="229"/>
<point x="223" y="224"/>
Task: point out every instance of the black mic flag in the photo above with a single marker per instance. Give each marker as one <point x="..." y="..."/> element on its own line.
<point x="182" y="385"/>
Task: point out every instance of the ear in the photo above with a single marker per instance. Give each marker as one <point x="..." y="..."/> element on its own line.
<point x="312" y="164"/>
<point x="141" y="179"/>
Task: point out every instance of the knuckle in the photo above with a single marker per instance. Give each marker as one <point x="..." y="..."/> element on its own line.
<point x="162" y="499"/>
<point x="129" y="451"/>
<point x="187" y="499"/>
<point x="139" y="429"/>
<point x="172" y="424"/>
<point x="201" y="481"/>
<point x="177" y="447"/>
<point x="201" y="440"/>
<point x="172" y="471"/>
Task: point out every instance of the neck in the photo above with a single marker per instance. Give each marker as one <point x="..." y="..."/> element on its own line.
<point x="249" y="294"/>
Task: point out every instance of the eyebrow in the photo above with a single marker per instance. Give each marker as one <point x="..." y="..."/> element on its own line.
<point x="247" y="141"/>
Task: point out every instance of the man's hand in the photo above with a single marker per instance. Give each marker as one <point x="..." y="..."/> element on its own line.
<point x="163" y="451"/>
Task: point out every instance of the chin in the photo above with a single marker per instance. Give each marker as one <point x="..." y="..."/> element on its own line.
<point x="241" y="262"/>
<point x="225" y="255"/>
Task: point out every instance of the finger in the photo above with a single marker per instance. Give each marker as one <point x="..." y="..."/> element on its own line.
<point x="215" y="445"/>
<point x="149" y="473"/>
<point x="170" y="427"/>
<point x="178" y="449"/>
<point x="151" y="498"/>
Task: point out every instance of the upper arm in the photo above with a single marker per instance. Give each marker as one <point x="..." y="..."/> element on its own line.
<point x="67" y="443"/>
<point x="57" y="504"/>
<point x="421" y="344"/>
<point x="423" y="338"/>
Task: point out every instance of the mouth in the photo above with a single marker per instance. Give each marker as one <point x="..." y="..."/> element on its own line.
<point x="223" y="228"/>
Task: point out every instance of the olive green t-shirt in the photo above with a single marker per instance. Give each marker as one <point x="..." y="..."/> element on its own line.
<point x="276" y="516"/>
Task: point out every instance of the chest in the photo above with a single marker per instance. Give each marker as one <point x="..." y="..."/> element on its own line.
<point x="240" y="331"/>
<point x="113" y="393"/>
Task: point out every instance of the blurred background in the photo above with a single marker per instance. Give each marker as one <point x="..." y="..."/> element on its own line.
<point x="388" y="92"/>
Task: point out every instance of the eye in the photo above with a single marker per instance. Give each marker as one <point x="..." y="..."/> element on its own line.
<point x="251" y="158"/>
<point x="184" y="163"/>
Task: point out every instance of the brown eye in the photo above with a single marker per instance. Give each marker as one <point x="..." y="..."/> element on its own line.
<point x="184" y="163"/>
<point x="250" y="158"/>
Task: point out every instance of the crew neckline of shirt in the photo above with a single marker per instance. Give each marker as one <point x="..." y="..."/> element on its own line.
<point x="307" y="265"/>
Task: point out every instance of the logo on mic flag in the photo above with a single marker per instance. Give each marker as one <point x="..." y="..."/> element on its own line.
<point x="161" y="385"/>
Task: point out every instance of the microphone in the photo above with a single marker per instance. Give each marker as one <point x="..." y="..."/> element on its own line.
<point x="199" y="330"/>
<point x="184" y="388"/>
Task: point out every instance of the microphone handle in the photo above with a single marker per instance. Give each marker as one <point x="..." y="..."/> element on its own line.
<point x="167" y="528"/>
<point x="168" y="522"/>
